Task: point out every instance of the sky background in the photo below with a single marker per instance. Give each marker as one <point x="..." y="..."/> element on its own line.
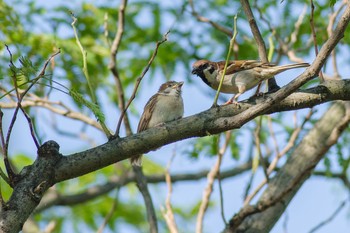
<point x="316" y="200"/>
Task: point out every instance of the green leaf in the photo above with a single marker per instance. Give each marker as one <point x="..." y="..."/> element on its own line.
<point x="79" y="98"/>
<point x="332" y="2"/>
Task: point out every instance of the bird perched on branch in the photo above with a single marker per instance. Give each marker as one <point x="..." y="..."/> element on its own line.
<point x="166" y="105"/>
<point x="241" y="75"/>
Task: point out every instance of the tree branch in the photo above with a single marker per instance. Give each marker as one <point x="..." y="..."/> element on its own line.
<point x="113" y="65"/>
<point x="55" y="107"/>
<point x="280" y="191"/>
<point x="215" y="170"/>
<point x="259" y="40"/>
<point x="211" y="121"/>
<point x="53" y="198"/>
<point x="206" y="20"/>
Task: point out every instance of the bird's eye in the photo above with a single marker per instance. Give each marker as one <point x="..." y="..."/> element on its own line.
<point x="204" y="66"/>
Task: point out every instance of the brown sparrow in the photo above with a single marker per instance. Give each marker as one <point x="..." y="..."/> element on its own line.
<point x="241" y="75"/>
<point x="166" y="105"/>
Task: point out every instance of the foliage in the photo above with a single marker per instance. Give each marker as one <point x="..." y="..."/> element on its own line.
<point x="37" y="30"/>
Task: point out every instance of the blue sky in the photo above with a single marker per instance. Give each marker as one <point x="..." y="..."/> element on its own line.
<point x="315" y="201"/>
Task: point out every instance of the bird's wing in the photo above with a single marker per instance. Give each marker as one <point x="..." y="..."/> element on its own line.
<point x="239" y="65"/>
<point x="147" y="113"/>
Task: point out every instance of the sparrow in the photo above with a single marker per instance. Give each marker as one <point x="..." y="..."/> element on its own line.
<point x="166" y="105"/>
<point x="241" y="75"/>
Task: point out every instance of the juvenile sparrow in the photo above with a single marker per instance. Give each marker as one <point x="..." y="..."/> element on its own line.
<point x="166" y="105"/>
<point x="241" y="75"/>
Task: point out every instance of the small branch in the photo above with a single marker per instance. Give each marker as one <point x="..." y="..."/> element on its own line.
<point x="20" y="97"/>
<point x="341" y="176"/>
<point x="273" y="135"/>
<point x="168" y="214"/>
<point x="262" y="205"/>
<point x="31" y="127"/>
<point x="86" y="74"/>
<point x="114" y="68"/>
<point x="230" y="49"/>
<point x="333" y="138"/>
<point x="314" y="34"/>
<point x="53" y="198"/>
<point x="330" y="218"/>
<point x="211" y="178"/>
<point x="61" y="109"/>
<point x="257" y="142"/>
<point x="221" y="192"/>
<point x="110" y="213"/>
<point x="291" y="141"/>
<point x="259" y="40"/>
<point x="252" y="173"/>
<point x="138" y="81"/>
<point x="330" y="26"/>
<point x="273" y="164"/>
<point x="141" y="182"/>
<point x="4" y="177"/>
<point x="206" y="20"/>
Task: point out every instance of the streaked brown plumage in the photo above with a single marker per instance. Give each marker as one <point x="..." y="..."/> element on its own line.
<point x="166" y="105"/>
<point x="241" y="75"/>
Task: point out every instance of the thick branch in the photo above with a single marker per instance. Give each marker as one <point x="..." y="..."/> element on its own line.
<point x="282" y="188"/>
<point x="33" y="181"/>
<point x="211" y="121"/>
<point x="53" y="198"/>
<point x="55" y="107"/>
<point x="258" y="39"/>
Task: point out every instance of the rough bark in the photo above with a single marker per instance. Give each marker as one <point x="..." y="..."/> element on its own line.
<point x="50" y="167"/>
<point x="23" y="200"/>
<point x="283" y="187"/>
<point x="30" y="186"/>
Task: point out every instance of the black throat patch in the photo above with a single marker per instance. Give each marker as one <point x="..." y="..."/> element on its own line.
<point x="204" y="79"/>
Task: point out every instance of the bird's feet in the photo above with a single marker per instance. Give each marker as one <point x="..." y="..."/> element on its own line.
<point x="234" y="102"/>
<point x="258" y="94"/>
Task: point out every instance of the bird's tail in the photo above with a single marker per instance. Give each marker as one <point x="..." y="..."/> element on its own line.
<point x="136" y="160"/>
<point x="279" y="69"/>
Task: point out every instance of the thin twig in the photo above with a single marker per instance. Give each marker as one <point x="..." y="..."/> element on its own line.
<point x="272" y="85"/>
<point x="128" y="177"/>
<point x="252" y="174"/>
<point x="55" y="107"/>
<point x="221" y="192"/>
<point x="114" y="68"/>
<point x="86" y="74"/>
<point x="2" y="138"/>
<point x="272" y="133"/>
<point x="314" y="34"/>
<point x="211" y="178"/>
<point x="230" y="49"/>
<point x="206" y="20"/>
<point x="110" y="213"/>
<point x="141" y="182"/>
<point x="31" y="127"/>
<point x="330" y="26"/>
<point x="333" y="138"/>
<point x="20" y="97"/>
<point x="285" y="47"/>
<point x="274" y="162"/>
<point x="257" y="143"/>
<point x="262" y="205"/>
<point x="168" y="214"/>
<point x="138" y="81"/>
<point x="330" y="218"/>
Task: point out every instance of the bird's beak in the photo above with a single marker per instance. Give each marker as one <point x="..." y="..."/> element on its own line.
<point x="179" y="85"/>
<point x="195" y="71"/>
